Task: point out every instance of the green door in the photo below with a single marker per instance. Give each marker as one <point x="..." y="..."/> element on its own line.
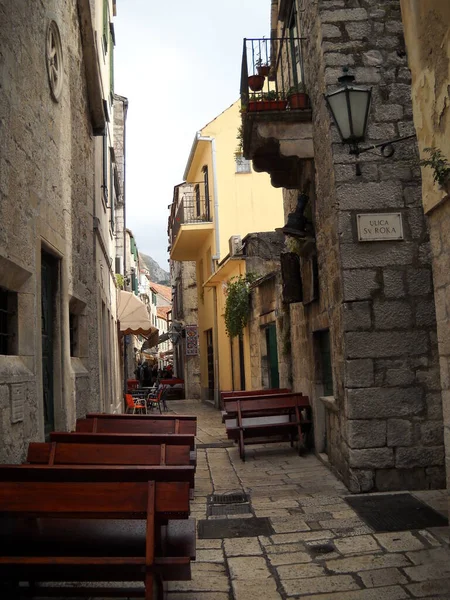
<point x="47" y="319"/>
<point x="272" y="355"/>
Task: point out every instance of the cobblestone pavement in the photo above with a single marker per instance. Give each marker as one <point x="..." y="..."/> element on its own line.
<point x="305" y="504"/>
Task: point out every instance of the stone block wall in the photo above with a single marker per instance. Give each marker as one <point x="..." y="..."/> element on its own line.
<point x="385" y="431"/>
<point x="46" y="187"/>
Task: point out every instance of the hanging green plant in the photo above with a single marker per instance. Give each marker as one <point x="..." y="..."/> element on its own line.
<point x="439" y="164"/>
<point x="120" y="281"/>
<point x="237" y="304"/>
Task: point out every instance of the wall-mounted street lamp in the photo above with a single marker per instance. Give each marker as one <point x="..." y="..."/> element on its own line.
<point x="350" y="107"/>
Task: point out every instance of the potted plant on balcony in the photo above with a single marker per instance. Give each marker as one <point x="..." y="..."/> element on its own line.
<point x="297" y="97"/>
<point x="262" y="68"/>
<point x="256" y="82"/>
<point x="267" y="101"/>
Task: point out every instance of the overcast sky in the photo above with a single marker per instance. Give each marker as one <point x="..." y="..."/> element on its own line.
<point x="178" y="63"/>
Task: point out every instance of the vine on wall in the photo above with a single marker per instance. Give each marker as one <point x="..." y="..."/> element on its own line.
<point x="237" y="304"/>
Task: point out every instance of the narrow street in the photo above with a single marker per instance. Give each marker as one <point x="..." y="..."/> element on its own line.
<point x="320" y="549"/>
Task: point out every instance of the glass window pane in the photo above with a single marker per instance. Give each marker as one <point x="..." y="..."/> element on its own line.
<point x="338" y="104"/>
<point x="359" y="100"/>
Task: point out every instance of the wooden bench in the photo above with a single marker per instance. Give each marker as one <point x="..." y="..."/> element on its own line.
<point x="136" y="424"/>
<point x="51" y="532"/>
<point x="77" y="437"/>
<point x="228" y="401"/>
<point x="259" y="420"/>
<point x="250" y="393"/>
<point x="109" y="454"/>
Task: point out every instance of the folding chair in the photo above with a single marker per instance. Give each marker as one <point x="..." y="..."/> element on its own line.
<point x="135" y="404"/>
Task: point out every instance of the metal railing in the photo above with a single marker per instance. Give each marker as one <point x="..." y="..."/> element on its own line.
<point x="272" y="69"/>
<point x="193" y="206"/>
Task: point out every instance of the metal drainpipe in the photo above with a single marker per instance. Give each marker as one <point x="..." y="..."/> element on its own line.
<point x="216" y="256"/>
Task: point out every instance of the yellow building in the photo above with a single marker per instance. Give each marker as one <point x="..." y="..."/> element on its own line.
<point x="221" y="200"/>
<point x="427" y="37"/>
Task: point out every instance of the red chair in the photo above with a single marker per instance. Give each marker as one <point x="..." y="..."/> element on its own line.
<point x="135" y="404"/>
<point x="132" y="384"/>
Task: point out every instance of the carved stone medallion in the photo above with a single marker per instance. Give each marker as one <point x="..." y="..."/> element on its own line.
<point x="54" y="55"/>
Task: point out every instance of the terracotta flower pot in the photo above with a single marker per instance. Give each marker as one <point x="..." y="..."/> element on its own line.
<point x="256" y="82"/>
<point x="298" y="100"/>
<point x="264" y="105"/>
<point x="263" y="70"/>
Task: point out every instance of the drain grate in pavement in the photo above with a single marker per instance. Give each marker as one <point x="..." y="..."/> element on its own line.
<point x="228" y="509"/>
<point x="232" y="528"/>
<point x="395" y="512"/>
<point x="232" y="503"/>
<point x="230" y="498"/>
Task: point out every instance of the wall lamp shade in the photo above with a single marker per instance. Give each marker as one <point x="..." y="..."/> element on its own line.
<point x="350" y="107"/>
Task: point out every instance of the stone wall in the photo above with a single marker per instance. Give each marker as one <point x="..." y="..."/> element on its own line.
<point x="184" y="278"/>
<point x="384" y="426"/>
<point x="46" y="186"/>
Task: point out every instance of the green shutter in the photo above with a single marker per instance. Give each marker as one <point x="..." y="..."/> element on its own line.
<point x="105" y="24"/>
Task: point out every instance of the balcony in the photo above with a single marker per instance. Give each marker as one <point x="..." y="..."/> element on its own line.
<point x="190" y="222"/>
<point x="276" y="113"/>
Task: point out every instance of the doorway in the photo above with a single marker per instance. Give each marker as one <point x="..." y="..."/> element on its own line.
<point x="210" y="363"/>
<point x="272" y="355"/>
<point x="48" y="291"/>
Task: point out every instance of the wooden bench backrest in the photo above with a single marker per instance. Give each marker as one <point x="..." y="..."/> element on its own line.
<point x="261" y="405"/>
<point x="121" y="500"/>
<point x="97" y="473"/>
<point x="141" y="417"/>
<point x="126" y="425"/>
<point x="107" y="454"/>
<point x="249" y="393"/>
<point x="76" y="437"/>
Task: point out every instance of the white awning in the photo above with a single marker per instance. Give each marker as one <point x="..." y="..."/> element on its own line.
<point x="133" y="316"/>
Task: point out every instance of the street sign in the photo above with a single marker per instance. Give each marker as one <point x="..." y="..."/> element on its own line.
<point x="379" y="227"/>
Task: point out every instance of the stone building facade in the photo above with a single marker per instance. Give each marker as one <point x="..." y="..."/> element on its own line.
<point x="52" y="276"/>
<point x="427" y="26"/>
<point x="363" y="340"/>
<point x="185" y="311"/>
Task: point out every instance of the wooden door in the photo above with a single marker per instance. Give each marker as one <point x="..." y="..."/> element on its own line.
<point x="48" y="275"/>
<point x="272" y="355"/>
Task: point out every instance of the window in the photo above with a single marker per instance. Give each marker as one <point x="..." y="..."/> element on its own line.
<point x="105" y="169"/>
<point x="242" y="164"/>
<point x="8" y="322"/>
<point x="154" y="298"/>
<point x="197" y="200"/>
<point x="106" y="32"/>
<point x="73" y="333"/>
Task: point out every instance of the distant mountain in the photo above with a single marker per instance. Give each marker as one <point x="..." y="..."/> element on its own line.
<point x="157" y="274"/>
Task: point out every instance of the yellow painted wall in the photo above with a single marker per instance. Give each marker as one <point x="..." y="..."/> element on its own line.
<point x="427" y="36"/>
<point x="247" y="203"/>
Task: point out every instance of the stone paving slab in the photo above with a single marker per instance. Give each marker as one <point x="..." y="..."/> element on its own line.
<point x="321" y="549"/>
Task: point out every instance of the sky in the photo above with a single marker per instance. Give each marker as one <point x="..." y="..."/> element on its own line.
<point x="178" y="62"/>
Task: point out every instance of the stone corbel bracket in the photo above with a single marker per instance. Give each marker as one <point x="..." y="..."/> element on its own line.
<point x="279" y="143"/>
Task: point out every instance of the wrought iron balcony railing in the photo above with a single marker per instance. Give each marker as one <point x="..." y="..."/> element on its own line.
<point x="272" y="76"/>
<point x="193" y="206"/>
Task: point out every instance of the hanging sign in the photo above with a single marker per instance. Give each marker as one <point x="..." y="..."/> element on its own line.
<point x="379" y="227"/>
<point x="191" y="340"/>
